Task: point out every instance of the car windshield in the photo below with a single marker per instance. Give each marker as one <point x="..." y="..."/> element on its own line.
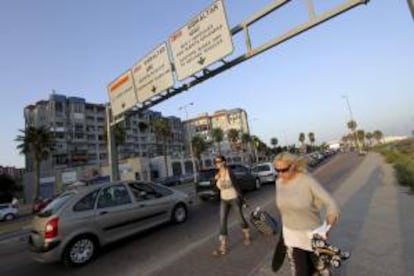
<point x="55" y="205"/>
<point x="262" y="168"/>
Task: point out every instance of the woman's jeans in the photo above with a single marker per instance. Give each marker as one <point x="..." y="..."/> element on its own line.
<point x="225" y="206"/>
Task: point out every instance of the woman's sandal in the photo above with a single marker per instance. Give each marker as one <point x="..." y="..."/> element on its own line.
<point x="219" y="252"/>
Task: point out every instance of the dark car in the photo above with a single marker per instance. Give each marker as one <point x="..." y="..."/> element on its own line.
<point x="205" y="188"/>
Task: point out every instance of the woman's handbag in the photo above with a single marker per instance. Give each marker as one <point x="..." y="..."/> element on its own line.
<point x="279" y="254"/>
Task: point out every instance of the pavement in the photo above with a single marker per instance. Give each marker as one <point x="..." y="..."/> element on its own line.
<point x="376" y="224"/>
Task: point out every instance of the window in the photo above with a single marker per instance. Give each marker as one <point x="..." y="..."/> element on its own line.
<point x="86" y="203"/>
<point x="113" y="196"/>
<point x="144" y="191"/>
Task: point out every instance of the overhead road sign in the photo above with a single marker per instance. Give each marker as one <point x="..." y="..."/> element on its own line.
<point x="203" y="41"/>
<point x="153" y="74"/>
<point x="122" y="94"/>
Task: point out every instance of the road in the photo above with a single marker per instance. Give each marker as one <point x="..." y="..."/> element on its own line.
<point x="180" y="249"/>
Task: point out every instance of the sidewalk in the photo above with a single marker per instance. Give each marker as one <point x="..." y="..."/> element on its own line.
<point x="376" y="224"/>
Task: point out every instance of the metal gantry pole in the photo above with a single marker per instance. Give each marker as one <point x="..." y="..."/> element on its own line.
<point x="111" y="146"/>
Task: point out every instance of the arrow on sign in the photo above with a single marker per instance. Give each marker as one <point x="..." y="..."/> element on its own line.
<point x="201" y="61"/>
<point x="153" y="89"/>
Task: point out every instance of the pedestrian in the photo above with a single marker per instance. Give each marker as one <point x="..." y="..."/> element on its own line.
<point x="301" y="200"/>
<point x="230" y="197"/>
<point x="15" y="202"/>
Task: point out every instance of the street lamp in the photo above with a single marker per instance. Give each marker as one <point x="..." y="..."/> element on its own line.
<point x="189" y="136"/>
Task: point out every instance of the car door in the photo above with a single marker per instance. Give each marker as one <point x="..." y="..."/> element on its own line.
<point x="115" y="212"/>
<point x="153" y="205"/>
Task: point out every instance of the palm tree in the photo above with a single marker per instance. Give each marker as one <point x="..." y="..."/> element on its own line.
<point x="256" y="145"/>
<point x="38" y="143"/>
<point x="361" y="137"/>
<point x="378" y="135"/>
<point x="302" y="138"/>
<point x="199" y="146"/>
<point x="274" y="141"/>
<point x="245" y="139"/>
<point x="162" y="130"/>
<point x="311" y="137"/>
<point x="218" y="135"/>
<point x="233" y="137"/>
<point x="352" y="125"/>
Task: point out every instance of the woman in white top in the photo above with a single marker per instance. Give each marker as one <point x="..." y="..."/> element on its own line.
<point x="230" y="195"/>
<point x="300" y="198"/>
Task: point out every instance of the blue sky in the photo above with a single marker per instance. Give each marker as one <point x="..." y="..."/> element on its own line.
<point x="78" y="47"/>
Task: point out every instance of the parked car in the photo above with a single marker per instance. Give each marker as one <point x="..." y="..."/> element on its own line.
<point x="205" y="188"/>
<point x="8" y="211"/>
<point x="264" y="172"/>
<point x="40" y="204"/>
<point x="78" y="222"/>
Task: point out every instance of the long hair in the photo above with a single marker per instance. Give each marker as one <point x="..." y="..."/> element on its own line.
<point x="299" y="163"/>
<point x="223" y="159"/>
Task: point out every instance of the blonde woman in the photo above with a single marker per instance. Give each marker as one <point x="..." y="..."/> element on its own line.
<point x="230" y="197"/>
<point x="299" y="198"/>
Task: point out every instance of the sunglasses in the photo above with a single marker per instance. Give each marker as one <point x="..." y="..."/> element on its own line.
<point x="283" y="170"/>
<point x="218" y="161"/>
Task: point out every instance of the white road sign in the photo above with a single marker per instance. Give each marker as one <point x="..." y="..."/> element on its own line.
<point x="204" y="40"/>
<point x="122" y="94"/>
<point x="153" y="74"/>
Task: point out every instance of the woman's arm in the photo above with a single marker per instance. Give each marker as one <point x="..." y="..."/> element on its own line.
<point x="332" y="209"/>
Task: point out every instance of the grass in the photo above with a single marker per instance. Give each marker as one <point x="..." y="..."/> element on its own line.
<point x="401" y="156"/>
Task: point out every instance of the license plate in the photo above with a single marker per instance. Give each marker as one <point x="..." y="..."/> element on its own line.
<point x="204" y="183"/>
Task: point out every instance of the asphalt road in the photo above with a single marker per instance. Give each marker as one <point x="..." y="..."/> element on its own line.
<point x="179" y="249"/>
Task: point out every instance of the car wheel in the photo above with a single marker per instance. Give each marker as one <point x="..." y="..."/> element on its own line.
<point x="9" y="217"/>
<point x="179" y="213"/>
<point x="257" y="184"/>
<point x="80" y="251"/>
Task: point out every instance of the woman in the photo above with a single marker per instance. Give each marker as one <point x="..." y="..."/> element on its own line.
<point x="230" y="195"/>
<point x="299" y="198"/>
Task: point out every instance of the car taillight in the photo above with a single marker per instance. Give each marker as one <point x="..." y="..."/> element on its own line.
<point x="51" y="229"/>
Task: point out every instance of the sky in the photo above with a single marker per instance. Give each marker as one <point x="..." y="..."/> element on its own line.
<point x="78" y="47"/>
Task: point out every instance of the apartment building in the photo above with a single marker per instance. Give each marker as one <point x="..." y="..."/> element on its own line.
<point x="13" y="172"/>
<point x="80" y="135"/>
<point x="224" y="119"/>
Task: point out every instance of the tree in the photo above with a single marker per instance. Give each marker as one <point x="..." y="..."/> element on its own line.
<point x="233" y="137"/>
<point x="311" y="137"/>
<point x="274" y="141"/>
<point x="352" y="125"/>
<point x="199" y="146"/>
<point x="37" y="143"/>
<point x="217" y="134"/>
<point x="302" y="140"/>
<point x="162" y="130"/>
<point x="256" y="145"/>
<point x="361" y="137"/>
<point x="378" y="135"/>
<point x="245" y="139"/>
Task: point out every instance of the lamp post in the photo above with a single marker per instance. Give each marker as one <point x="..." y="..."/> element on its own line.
<point x="189" y="136"/>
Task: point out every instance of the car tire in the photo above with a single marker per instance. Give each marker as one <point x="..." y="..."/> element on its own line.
<point x="8" y="217"/>
<point x="257" y="184"/>
<point x="80" y="251"/>
<point x="179" y="213"/>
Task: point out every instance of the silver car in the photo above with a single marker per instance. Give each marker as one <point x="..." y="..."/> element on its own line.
<point x="77" y="223"/>
<point x="8" y="211"/>
<point x="264" y="172"/>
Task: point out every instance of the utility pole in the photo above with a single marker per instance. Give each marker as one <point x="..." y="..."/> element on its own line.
<point x="189" y="137"/>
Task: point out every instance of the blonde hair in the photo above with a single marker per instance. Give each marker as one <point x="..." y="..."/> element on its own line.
<point x="300" y="164"/>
